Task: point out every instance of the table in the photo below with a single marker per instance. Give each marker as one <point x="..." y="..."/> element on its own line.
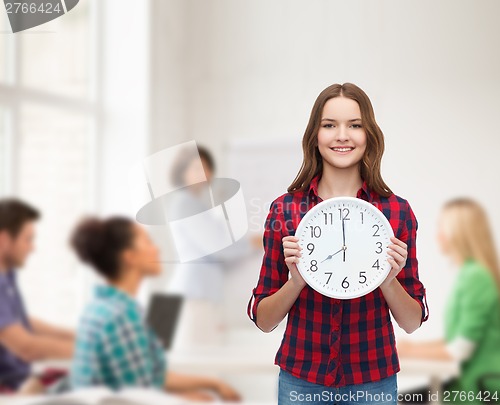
<point x="258" y="358"/>
<point x="247" y="359"/>
<point x="438" y="371"/>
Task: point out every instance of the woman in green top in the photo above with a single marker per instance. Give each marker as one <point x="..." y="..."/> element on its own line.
<point x="472" y="315"/>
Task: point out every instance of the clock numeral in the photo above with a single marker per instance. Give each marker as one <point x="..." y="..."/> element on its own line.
<point x="345" y="283"/>
<point x="314" y="265"/>
<point x="329" y="277"/>
<point x="362" y="275"/>
<point x="379" y="249"/>
<point x="315" y="231"/>
<point x="376" y="265"/>
<point x="361" y="218"/>
<point x="376" y="230"/>
<point x="344" y="214"/>
<point x="310" y="247"/>
<point x="328" y="218"/>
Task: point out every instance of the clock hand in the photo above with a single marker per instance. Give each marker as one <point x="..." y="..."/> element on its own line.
<point x="343" y="238"/>
<point x="343" y="233"/>
<point x="338" y="251"/>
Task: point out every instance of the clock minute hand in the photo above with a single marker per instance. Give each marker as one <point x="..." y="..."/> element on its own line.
<point x="330" y="256"/>
<point x="343" y="232"/>
<point x="343" y="238"/>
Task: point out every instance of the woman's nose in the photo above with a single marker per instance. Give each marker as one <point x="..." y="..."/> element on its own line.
<point x="342" y="133"/>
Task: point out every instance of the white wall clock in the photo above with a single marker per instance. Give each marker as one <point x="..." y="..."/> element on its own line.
<point x="344" y="244"/>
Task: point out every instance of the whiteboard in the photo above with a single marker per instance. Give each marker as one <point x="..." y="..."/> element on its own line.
<point x="264" y="168"/>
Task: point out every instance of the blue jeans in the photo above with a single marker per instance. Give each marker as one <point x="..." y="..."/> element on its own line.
<point x="295" y="391"/>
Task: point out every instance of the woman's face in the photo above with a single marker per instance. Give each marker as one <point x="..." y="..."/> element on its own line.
<point x="341" y="137"/>
<point x="144" y="254"/>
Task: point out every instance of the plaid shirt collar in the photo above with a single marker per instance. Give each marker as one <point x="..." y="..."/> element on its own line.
<point x="113" y="293"/>
<point x="364" y="192"/>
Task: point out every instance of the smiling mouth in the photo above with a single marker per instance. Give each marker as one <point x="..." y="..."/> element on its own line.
<point x="342" y="149"/>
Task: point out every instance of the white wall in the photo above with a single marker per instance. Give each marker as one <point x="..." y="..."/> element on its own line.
<point x="124" y="92"/>
<point x="254" y="69"/>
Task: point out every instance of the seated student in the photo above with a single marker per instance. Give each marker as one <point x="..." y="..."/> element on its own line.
<point x="23" y="340"/>
<point x="472" y="313"/>
<point x="114" y="346"/>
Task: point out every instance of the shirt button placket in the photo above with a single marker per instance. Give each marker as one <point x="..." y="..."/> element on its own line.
<point x="333" y="361"/>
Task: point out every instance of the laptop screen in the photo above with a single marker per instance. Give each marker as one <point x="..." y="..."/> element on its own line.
<point x="163" y="315"/>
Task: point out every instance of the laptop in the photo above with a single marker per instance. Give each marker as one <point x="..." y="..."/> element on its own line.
<point x="163" y="315"/>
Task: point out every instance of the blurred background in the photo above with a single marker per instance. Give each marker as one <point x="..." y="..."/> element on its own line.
<point x="86" y="96"/>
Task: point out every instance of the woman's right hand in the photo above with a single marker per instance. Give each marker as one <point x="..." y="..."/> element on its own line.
<point x="292" y="252"/>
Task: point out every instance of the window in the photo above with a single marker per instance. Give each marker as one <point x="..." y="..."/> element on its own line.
<point x="48" y="127"/>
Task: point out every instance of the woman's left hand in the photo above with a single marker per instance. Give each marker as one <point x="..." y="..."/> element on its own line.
<point x="398" y="252"/>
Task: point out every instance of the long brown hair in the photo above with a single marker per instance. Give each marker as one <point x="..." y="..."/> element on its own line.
<point x="312" y="163"/>
<point x="467" y="229"/>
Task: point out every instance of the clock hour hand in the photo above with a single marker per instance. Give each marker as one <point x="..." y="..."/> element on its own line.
<point x="330" y="256"/>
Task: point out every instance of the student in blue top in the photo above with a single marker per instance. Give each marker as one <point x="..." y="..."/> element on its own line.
<point x="114" y="346"/>
<point x="24" y="339"/>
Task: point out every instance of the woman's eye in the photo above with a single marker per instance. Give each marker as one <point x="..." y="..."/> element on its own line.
<point x="357" y="125"/>
<point x="328" y="126"/>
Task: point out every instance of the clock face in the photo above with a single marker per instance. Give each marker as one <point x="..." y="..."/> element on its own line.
<point x="344" y="244"/>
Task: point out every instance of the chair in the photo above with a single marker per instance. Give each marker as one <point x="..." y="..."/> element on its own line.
<point x="483" y="386"/>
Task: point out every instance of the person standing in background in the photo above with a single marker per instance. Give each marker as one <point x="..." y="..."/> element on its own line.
<point x="201" y="281"/>
<point x="472" y="313"/>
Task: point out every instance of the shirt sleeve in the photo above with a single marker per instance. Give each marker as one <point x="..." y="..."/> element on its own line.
<point x="408" y="276"/>
<point x="85" y="368"/>
<point x="124" y="346"/>
<point x="478" y="298"/>
<point x="273" y="272"/>
<point x="7" y="316"/>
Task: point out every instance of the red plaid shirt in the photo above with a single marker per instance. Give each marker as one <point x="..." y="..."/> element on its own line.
<point x="329" y="341"/>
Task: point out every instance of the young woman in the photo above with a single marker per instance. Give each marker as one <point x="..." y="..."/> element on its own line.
<point x="472" y="315"/>
<point x="344" y="347"/>
<point x="114" y="347"/>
